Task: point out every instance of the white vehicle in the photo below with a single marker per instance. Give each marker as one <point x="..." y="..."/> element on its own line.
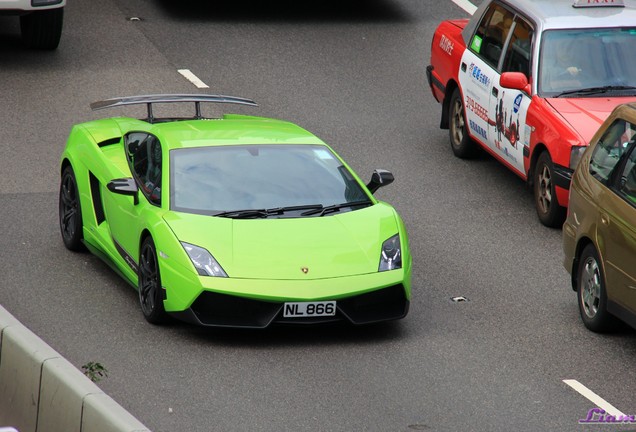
<point x="40" y="21"/>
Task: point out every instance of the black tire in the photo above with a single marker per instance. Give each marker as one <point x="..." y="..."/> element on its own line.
<point x="550" y="212"/>
<point x="592" y="294"/>
<point x="150" y="291"/>
<point x="462" y="145"/>
<point x="42" y="29"/>
<point x="70" y="212"/>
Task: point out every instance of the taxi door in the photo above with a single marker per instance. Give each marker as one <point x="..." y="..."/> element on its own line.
<point x="477" y="72"/>
<point x="509" y="133"/>
<point x="478" y="69"/>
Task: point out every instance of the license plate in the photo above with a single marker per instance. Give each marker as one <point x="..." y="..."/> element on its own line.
<point x="309" y="309"/>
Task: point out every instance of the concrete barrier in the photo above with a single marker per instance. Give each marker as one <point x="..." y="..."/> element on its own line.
<point x="40" y="391"/>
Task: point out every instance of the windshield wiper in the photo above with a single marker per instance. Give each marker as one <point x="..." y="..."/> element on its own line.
<point x="596" y="90"/>
<point x="263" y="213"/>
<point x="243" y="214"/>
<point x="336" y="207"/>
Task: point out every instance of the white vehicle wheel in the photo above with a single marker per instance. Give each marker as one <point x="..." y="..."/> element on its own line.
<point x="42" y="29"/>
<point x="461" y="144"/>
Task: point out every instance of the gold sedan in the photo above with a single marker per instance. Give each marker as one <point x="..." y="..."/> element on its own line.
<point x="599" y="234"/>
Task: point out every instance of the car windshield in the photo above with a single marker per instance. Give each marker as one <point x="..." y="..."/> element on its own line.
<point x="588" y="62"/>
<point x="235" y="178"/>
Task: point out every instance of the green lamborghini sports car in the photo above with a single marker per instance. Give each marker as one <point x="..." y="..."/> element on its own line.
<point x="237" y="221"/>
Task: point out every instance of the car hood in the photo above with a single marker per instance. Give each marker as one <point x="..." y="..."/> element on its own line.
<point x="303" y="248"/>
<point x="585" y="115"/>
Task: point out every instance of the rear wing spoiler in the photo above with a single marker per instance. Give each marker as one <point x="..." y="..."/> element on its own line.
<point x="148" y="100"/>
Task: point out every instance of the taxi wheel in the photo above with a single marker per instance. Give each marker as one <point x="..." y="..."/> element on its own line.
<point x="70" y="211"/>
<point x="150" y="291"/>
<point x="548" y="209"/>
<point x="591" y="293"/>
<point x="461" y="144"/>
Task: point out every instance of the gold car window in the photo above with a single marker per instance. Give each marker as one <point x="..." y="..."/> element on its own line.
<point x="614" y="142"/>
<point x="627" y="183"/>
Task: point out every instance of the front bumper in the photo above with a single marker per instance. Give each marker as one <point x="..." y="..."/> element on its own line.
<point x="562" y="176"/>
<point x="14" y="7"/>
<point x="562" y="181"/>
<point x="569" y="240"/>
<point x="437" y="87"/>
<point x="257" y="303"/>
<point x="223" y="310"/>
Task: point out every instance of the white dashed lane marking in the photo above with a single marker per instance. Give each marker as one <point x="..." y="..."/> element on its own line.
<point x="466" y="5"/>
<point x="193" y="78"/>
<point x="594" y="398"/>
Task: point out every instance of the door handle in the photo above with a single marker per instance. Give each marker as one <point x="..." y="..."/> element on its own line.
<point x="605" y="219"/>
<point x="463" y="67"/>
<point x="495" y="91"/>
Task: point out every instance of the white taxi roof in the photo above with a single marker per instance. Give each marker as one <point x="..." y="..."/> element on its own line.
<point x="558" y="14"/>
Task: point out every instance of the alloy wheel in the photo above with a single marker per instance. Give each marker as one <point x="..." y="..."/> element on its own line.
<point x="544" y="197"/>
<point x="457" y="122"/>
<point x="69" y="206"/>
<point x="590" y="285"/>
<point x="148" y="279"/>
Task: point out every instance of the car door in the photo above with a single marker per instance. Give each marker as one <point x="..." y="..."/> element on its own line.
<point x="126" y="214"/>
<point x="478" y="69"/>
<point x="617" y="219"/>
<point x="509" y="134"/>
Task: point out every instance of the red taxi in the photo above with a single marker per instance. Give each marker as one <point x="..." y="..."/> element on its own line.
<point x="530" y="81"/>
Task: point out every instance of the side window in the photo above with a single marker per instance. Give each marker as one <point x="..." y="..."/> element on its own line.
<point x="144" y="157"/>
<point x="491" y="34"/>
<point x="517" y="57"/>
<point x="607" y="153"/>
<point x="627" y="182"/>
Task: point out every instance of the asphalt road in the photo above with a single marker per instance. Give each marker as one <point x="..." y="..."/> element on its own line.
<point x="353" y="72"/>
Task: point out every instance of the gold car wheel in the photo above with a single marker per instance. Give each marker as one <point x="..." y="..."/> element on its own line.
<point x="592" y="292"/>
<point x="591" y="287"/>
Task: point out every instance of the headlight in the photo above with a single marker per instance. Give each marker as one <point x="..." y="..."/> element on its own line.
<point x="203" y="261"/>
<point x="575" y="155"/>
<point x="391" y="255"/>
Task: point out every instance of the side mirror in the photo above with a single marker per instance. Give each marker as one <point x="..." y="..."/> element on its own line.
<point x="124" y="186"/>
<point x="515" y="81"/>
<point x="379" y="178"/>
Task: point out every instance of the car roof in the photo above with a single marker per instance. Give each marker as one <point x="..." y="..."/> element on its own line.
<point x="231" y="129"/>
<point x="559" y="14"/>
